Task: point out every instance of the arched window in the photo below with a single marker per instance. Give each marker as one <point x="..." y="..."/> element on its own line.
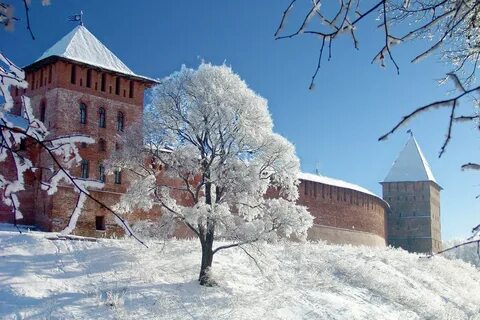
<point x="101" y="173"/>
<point x="83" y="113"/>
<point x="120" y="121"/>
<point x="118" y="176"/>
<point x="85" y="169"/>
<point x="102" y="145"/>
<point x="43" y="109"/>
<point x="101" y="117"/>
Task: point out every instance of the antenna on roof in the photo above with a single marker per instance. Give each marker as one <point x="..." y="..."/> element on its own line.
<point x="411" y="132"/>
<point x="317" y="168"/>
<point x="77" y="17"/>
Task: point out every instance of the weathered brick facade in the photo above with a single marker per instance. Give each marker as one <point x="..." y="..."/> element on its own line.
<point x="414" y="219"/>
<point x="356" y="216"/>
<point x="58" y="89"/>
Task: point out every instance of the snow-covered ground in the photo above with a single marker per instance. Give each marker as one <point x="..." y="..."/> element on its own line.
<point x="120" y="279"/>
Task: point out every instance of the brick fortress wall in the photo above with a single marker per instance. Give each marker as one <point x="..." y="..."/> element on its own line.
<point x="341" y="215"/>
<point x="344" y="215"/>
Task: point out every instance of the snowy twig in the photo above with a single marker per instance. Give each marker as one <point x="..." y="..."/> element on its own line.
<point x="455" y="247"/>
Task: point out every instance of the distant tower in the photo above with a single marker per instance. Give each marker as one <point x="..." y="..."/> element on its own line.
<point x="79" y="86"/>
<point x="414" y="197"/>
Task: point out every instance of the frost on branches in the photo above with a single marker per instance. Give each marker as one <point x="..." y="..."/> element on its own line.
<point x="210" y="142"/>
<point x="449" y="29"/>
<point x="62" y="151"/>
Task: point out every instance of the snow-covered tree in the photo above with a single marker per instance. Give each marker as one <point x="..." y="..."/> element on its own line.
<point x="214" y="163"/>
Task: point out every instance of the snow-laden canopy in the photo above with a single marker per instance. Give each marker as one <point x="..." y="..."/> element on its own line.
<point x="410" y="165"/>
<point x="82" y="46"/>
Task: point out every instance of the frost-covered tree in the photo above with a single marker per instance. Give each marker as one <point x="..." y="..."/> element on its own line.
<point x="449" y="29"/>
<point x="214" y="163"/>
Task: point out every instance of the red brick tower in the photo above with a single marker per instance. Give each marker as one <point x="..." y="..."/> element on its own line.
<point x="414" y="197"/>
<point x="80" y="86"/>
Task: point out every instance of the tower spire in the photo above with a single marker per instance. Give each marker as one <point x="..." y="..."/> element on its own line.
<point x="411" y="164"/>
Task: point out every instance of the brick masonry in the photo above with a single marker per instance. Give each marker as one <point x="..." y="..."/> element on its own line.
<point x="414" y="218"/>
<point x="341" y="215"/>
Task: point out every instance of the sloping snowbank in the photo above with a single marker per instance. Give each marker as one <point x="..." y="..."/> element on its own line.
<point x="114" y="279"/>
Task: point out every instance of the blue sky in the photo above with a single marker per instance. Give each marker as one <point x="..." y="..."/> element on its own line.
<point x="334" y="128"/>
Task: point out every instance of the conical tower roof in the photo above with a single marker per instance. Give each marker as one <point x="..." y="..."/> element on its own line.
<point x="80" y="45"/>
<point x="410" y="165"/>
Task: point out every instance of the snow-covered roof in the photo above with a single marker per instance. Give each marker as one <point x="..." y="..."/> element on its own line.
<point x="334" y="182"/>
<point x="410" y="165"/>
<point x="81" y="45"/>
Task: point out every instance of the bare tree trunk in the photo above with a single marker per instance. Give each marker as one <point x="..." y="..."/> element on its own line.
<point x="207" y="258"/>
<point x="207" y="242"/>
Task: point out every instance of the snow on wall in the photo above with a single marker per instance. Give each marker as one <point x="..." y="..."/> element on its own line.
<point x="410" y="165"/>
<point x="334" y="182"/>
<point x="82" y="46"/>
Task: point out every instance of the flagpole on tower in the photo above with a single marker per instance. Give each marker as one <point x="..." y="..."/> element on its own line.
<point x="77" y="17"/>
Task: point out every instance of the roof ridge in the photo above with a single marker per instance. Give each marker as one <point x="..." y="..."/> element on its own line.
<point x="410" y="165"/>
<point x="425" y="163"/>
<point x="82" y="46"/>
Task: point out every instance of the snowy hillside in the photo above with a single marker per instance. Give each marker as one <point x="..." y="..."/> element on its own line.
<point x="114" y="279"/>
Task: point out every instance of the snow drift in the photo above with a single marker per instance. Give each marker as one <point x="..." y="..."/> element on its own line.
<point x="115" y="279"/>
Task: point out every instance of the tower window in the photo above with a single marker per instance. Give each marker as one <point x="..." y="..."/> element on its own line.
<point x="101" y="173"/>
<point x="89" y="78"/>
<point x="117" y="86"/>
<point x="118" y="176"/>
<point x="73" y="74"/>
<point x="130" y="93"/>
<point x="120" y="121"/>
<point x="83" y="113"/>
<point x="101" y="117"/>
<point x="103" y="82"/>
<point x="100" y="223"/>
<point x="85" y="169"/>
<point x="41" y="77"/>
<point x="43" y="110"/>
<point x="102" y="145"/>
<point x="50" y="74"/>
